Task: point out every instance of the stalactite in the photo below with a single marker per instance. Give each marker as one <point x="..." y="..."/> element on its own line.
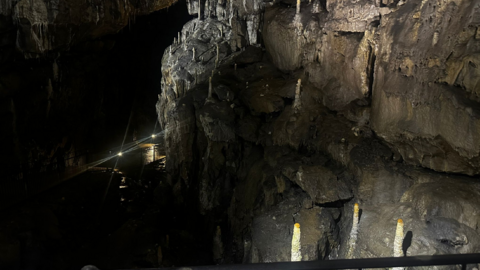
<point x="175" y="90"/>
<point x="199" y="10"/>
<point x="210" y="89"/>
<point x="316" y="6"/>
<point x="217" y="59"/>
<point x="55" y="71"/>
<point x="220" y="10"/>
<point x="193" y="58"/>
<point x="252" y="28"/>
<point x="232" y="11"/>
<point x="207" y="9"/>
<point x="297" y="103"/>
<point x="256" y="5"/>
<point x="298" y="7"/>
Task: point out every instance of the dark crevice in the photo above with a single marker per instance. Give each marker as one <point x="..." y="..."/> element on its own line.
<point x="323" y="3"/>
<point x="371" y="71"/>
<point x="335" y="204"/>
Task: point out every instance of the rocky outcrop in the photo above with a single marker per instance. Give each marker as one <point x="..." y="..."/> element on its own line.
<point x="424" y="103"/>
<point x="386" y="100"/>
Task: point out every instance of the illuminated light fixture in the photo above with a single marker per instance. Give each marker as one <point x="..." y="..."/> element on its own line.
<point x="153" y="135"/>
<point x="120" y="154"/>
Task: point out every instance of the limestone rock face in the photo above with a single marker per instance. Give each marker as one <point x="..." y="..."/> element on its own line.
<point x="338" y="61"/>
<point x="318" y="182"/>
<point x="437" y="236"/>
<point x="424" y="104"/>
<point x="45" y="25"/>
<point x="388" y="98"/>
<point x="272" y="232"/>
<point x="351" y="16"/>
<point x="448" y="198"/>
<point x="283" y="40"/>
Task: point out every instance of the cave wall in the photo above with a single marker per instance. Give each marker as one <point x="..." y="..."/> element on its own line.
<point x="43" y="26"/>
<point x="386" y="118"/>
<point x="70" y="74"/>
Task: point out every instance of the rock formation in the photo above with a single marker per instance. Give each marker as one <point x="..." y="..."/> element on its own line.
<point x="388" y="106"/>
<point x="277" y="112"/>
<point x="49" y="25"/>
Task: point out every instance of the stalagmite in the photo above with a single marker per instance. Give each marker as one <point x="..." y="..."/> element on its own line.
<point x="235" y="67"/>
<point x="210" y="88"/>
<point x="353" y="232"/>
<point x="216" y="60"/>
<point x="398" y="242"/>
<point x="297" y="103"/>
<point x="217" y="245"/>
<point x="159" y="255"/>
<point x="296" y="245"/>
<point x="179" y="38"/>
<point x="397" y="249"/>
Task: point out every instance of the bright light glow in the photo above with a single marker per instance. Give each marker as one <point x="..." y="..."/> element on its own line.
<point x="120" y="154"/>
<point x="153" y="135"/>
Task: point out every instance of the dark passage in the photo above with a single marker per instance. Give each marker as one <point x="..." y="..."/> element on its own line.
<point x="106" y="91"/>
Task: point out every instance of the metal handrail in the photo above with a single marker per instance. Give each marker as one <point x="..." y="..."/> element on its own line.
<point x="453" y="259"/>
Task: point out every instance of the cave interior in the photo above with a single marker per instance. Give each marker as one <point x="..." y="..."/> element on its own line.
<point x="162" y="133"/>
